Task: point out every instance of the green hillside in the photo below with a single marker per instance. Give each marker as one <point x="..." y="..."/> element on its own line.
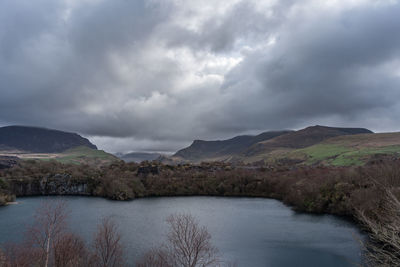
<point x="351" y="150"/>
<point x="348" y="150"/>
<point x="77" y="155"/>
<point x="266" y="146"/>
<point x="345" y="150"/>
<point x="82" y="154"/>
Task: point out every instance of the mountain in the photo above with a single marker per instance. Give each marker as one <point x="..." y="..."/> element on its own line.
<point x="267" y="147"/>
<point x="221" y="149"/>
<point x="39" y="140"/>
<point x="36" y="143"/>
<point x="301" y="138"/>
<point x="138" y="156"/>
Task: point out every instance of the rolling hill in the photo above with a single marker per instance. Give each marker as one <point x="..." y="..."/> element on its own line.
<point x="39" y="140"/>
<point x="350" y="150"/>
<point x="201" y="150"/>
<point x="36" y="143"/>
<point x="311" y="145"/>
<point x="301" y="138"/>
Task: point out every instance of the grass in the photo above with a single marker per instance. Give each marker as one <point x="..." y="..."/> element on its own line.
<point x="328" y="154"/>
<point x="348" y="150"/>
<point x="360" y="156"/>
<point x="342" y="155"/>
<point x="347" y="160"/>
<point x="82" y="155"/>
<point x="321" y="152"/>
<point x="83" y="151"/>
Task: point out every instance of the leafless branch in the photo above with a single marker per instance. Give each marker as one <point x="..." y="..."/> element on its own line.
<point x="108" y="250"/>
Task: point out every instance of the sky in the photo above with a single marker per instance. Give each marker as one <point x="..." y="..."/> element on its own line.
<point x="153" y="75"/>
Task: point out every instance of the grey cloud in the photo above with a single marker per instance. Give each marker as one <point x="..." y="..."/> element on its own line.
<point x="128" y="75"/>
<point x="320" y="67"/>
<point x="242" y="24"/>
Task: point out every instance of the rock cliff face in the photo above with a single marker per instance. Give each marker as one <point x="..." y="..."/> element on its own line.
<point x="59" y="184"/>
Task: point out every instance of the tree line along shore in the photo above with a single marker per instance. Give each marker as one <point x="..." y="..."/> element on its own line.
<point x="366" y="194"/>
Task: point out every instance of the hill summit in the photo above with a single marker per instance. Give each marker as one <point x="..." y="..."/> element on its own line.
<point x="40" y="140"/>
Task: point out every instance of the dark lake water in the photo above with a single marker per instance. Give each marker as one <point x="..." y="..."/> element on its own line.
<point x="252" y="232"/>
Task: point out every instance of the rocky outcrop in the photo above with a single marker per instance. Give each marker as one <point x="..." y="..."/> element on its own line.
<point x="8" y="162"/>
<point x="59" y="184"/>
<point x="6" y="197"/>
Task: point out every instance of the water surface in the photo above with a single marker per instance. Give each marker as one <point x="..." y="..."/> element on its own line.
<point x="249" y="231"/>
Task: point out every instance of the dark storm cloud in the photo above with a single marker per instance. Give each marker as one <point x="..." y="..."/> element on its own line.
<point x="345" y="65"/>
<point x="153" y="75"/>
<point x="241" y="22"/>
<point x="52" y="66"/>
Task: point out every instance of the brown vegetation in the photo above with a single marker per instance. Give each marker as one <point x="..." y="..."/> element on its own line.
<point x="70" y="251"/>
<point x="350" y="191"/>
<point x="49" y="243"/>
<point x="47" y="231"/>
<point x="383" y="222"/>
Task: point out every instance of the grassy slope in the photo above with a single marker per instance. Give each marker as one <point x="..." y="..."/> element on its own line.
<point x="83" y="155"/>
<point x="350" y="150"/>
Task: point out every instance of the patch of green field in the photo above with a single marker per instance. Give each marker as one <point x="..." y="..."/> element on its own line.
<point x="341" y="155"/>
<point x="348" y="160"/>
<point x="81" y="155"/>
<point x="360" y="156"/>
<point x="83" y="151"/>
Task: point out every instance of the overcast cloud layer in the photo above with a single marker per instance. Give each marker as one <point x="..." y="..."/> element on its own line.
<point x="156" y="74"/>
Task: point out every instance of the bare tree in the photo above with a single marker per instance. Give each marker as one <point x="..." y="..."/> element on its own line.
<point x="2" y="258"/>
<point x="189" y="245"/>
<point x="47" y="242"/>
<point x="108" y="249"/>
<point x="47" y="229"/>
<point x="156" y="257"/>
<point x="70" y="251"/>
<point x="383" y="225"/>
<point x="18" y="255"/>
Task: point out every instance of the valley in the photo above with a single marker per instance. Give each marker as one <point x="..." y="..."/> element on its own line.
<point x="348" y="172"/>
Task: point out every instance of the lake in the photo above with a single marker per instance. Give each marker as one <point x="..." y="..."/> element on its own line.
<point x="253" y="232"/>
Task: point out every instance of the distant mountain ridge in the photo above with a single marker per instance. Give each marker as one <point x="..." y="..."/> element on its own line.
<point x="222" y="148"/>
<point x="40" y="140"/>
<point x="303" y="138"/>
<point x="260" y="146"/>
